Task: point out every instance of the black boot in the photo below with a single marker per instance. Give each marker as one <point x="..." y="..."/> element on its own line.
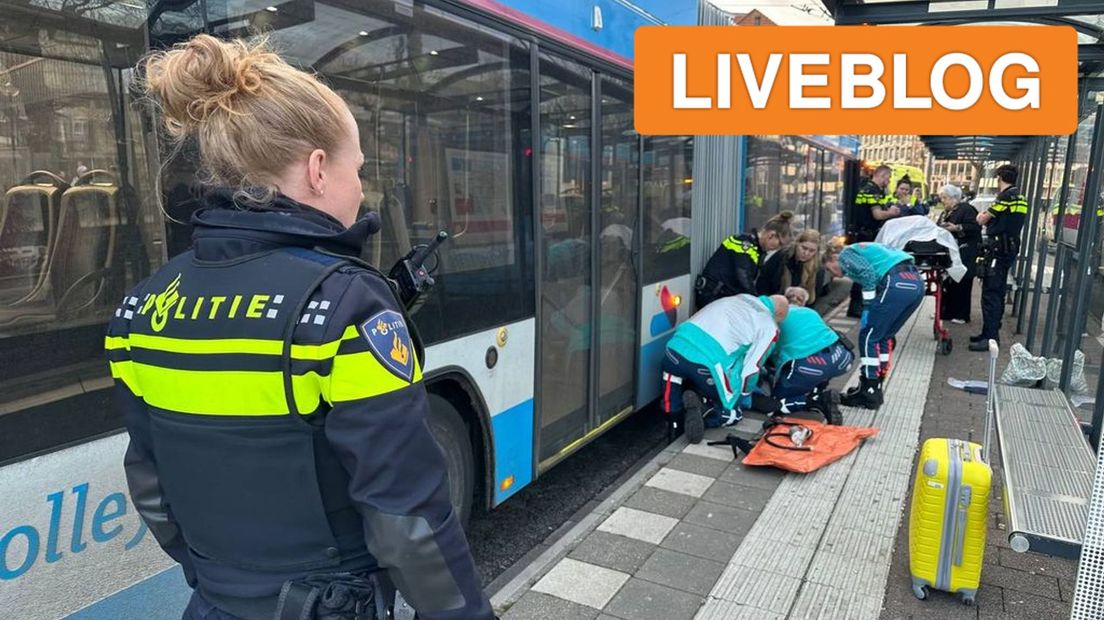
<point x="824" y="401"/>
<point x="868" y="394"/>
<point x="977" y="338"/>
<point x="693" y="422"/>
<point x="765" y="404"/>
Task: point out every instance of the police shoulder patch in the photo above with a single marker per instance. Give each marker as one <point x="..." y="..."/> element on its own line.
<point x="389" y="340"/>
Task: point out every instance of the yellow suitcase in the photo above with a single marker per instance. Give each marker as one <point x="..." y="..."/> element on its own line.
<point x="950" y="502"/>
<point x="950" y="506"/>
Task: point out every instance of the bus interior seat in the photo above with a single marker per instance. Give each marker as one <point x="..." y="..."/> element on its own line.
<point x="394" y="234"/>
<point x="84" y="271"/>
<point x="28" y="230"/>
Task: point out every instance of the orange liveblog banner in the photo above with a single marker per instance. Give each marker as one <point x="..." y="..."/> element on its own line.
<point x="930" y="80"/>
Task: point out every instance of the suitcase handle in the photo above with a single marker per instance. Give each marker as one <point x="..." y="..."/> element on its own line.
<point x="965" y="495"/>
<point x="991" y="398"/>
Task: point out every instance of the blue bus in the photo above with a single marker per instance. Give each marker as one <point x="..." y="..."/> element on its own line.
<point x="509" y="125"/>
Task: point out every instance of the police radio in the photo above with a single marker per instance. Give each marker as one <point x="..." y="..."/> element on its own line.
<point x="410" y="273"/>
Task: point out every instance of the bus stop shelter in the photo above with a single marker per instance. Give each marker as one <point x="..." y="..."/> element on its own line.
<point x="1056" y="296"/>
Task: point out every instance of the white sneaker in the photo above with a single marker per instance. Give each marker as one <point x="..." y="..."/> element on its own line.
<point x="958" y="321"/>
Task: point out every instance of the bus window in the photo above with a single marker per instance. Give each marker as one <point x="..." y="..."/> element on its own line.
<point x="444" y="113"/>
<point x="668" y="180"/>
<point x="618" y="287"/>
<point x="79" y="223"/>
<point x="565" y="161"/>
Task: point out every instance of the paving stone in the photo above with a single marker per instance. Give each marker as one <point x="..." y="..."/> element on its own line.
<point x="646" y="526"/>
<point x="643" y="600"/>
<point x="701" y="465"/>
<point x="702" y="542"/>
<point x="721" y="517"/>
<point x="721" y="453"/>
<point x="661" y="502"/>
<point x="758" y="477"/>
<point x="680" y="482"/>
<point x="1039" y="564"/>
<point x="737" y="496"/>
<point x="1022" y="605"/>
<point x="1011" y="579"/>
<point x="537" y="606"/>
<point x="681" y="571"/>
<point x="613" y="551"/>
<point x="581" y="582"/>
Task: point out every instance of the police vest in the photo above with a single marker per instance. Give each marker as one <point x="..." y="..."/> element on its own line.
<point x="249" y="474"/>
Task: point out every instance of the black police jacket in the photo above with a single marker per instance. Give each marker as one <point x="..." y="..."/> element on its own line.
<point x="734" y="266"/>
<point x="1009" y="210"/>
<point x="272" y="391"/>
<point x="869" y="197"/>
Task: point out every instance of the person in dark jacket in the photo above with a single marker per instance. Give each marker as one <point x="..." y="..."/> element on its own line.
<point x="870" y="209"/>
<point x="794" y="265"/>
<point x="1003" y="223"/>
<point x="734" y="267"/>
<point x="271" y="383"/>
<point x="960" y="219"/>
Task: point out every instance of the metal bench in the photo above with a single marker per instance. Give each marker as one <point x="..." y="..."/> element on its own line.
<point x="1048" y="470"/>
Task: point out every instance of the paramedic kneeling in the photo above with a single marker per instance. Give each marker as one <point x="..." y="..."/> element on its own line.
<point x="809" y="355"/>
<point x="719" y="352"/>
<point x="892" y="289"/>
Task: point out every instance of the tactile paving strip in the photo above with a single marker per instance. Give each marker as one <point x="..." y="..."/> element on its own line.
<point x="840" y="522"/>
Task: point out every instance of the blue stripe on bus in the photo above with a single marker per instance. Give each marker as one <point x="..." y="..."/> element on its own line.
<point x="161" y="597"/>
<point x="513" y="441"/>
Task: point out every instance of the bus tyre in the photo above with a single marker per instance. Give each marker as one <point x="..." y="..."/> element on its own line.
<point x="452" y="435"/>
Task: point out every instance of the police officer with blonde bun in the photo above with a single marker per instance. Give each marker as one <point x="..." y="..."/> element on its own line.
<point x="271" y="383"/>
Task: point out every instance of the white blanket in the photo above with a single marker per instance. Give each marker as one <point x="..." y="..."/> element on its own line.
<point x="899" y="231"/>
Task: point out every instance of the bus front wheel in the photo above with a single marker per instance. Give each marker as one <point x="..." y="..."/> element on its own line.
<point x="452" y="435"/>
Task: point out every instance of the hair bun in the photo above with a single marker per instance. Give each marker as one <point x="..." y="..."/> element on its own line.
<point x="786" y="215"/>
<point x="203" y="77"/>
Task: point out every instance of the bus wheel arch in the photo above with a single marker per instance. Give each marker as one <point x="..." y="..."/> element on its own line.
<point x="457" y="391"/>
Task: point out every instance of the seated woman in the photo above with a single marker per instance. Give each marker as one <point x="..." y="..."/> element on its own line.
<point x="794" y="265"/>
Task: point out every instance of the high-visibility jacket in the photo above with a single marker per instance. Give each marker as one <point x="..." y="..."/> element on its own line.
<point x="866" y="263"/>
<point x="1009" y="210"/>
<point x="732" y="337"/>
<point x="733" y="267"/>
<point x="869" y="197"/>
<point x="801" y="334"/>
<point x="272" y="389"/>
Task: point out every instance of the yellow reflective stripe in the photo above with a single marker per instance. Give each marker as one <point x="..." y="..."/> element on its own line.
<point x="114" y="343"/>
<point x="223" y="392"/>
<point x="209" y="345"/>
<point x="124" y="371"/>
<point x="998" y="207"/>
<point x="168" y="344"/>
<point x="361" y="375"/>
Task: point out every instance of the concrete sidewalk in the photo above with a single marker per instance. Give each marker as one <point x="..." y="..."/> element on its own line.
<point x="695" y="534"/>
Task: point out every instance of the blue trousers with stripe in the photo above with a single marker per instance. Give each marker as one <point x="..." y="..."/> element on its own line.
<point x="799" y="379"/>
<point x="898" y="295"/>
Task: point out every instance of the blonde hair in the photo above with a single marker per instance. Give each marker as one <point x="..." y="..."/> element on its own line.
<point x="251" y="112"/>
<point x="808" y="268"/>
<point x="780" y="225"/>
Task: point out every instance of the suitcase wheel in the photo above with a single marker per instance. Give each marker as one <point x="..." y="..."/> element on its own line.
<point x="968" y="600"/>
<point x="921" y="592"/>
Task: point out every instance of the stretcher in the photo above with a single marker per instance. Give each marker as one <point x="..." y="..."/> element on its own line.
<point x="933" y="260"/>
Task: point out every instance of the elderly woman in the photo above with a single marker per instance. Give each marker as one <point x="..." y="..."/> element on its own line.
<point x="960" y="218"/>
<point x="794" y="265"/>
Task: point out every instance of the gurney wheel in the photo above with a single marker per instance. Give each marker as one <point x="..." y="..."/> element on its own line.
<point x="945" y="346"/>
<point x="920" y="592"/>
